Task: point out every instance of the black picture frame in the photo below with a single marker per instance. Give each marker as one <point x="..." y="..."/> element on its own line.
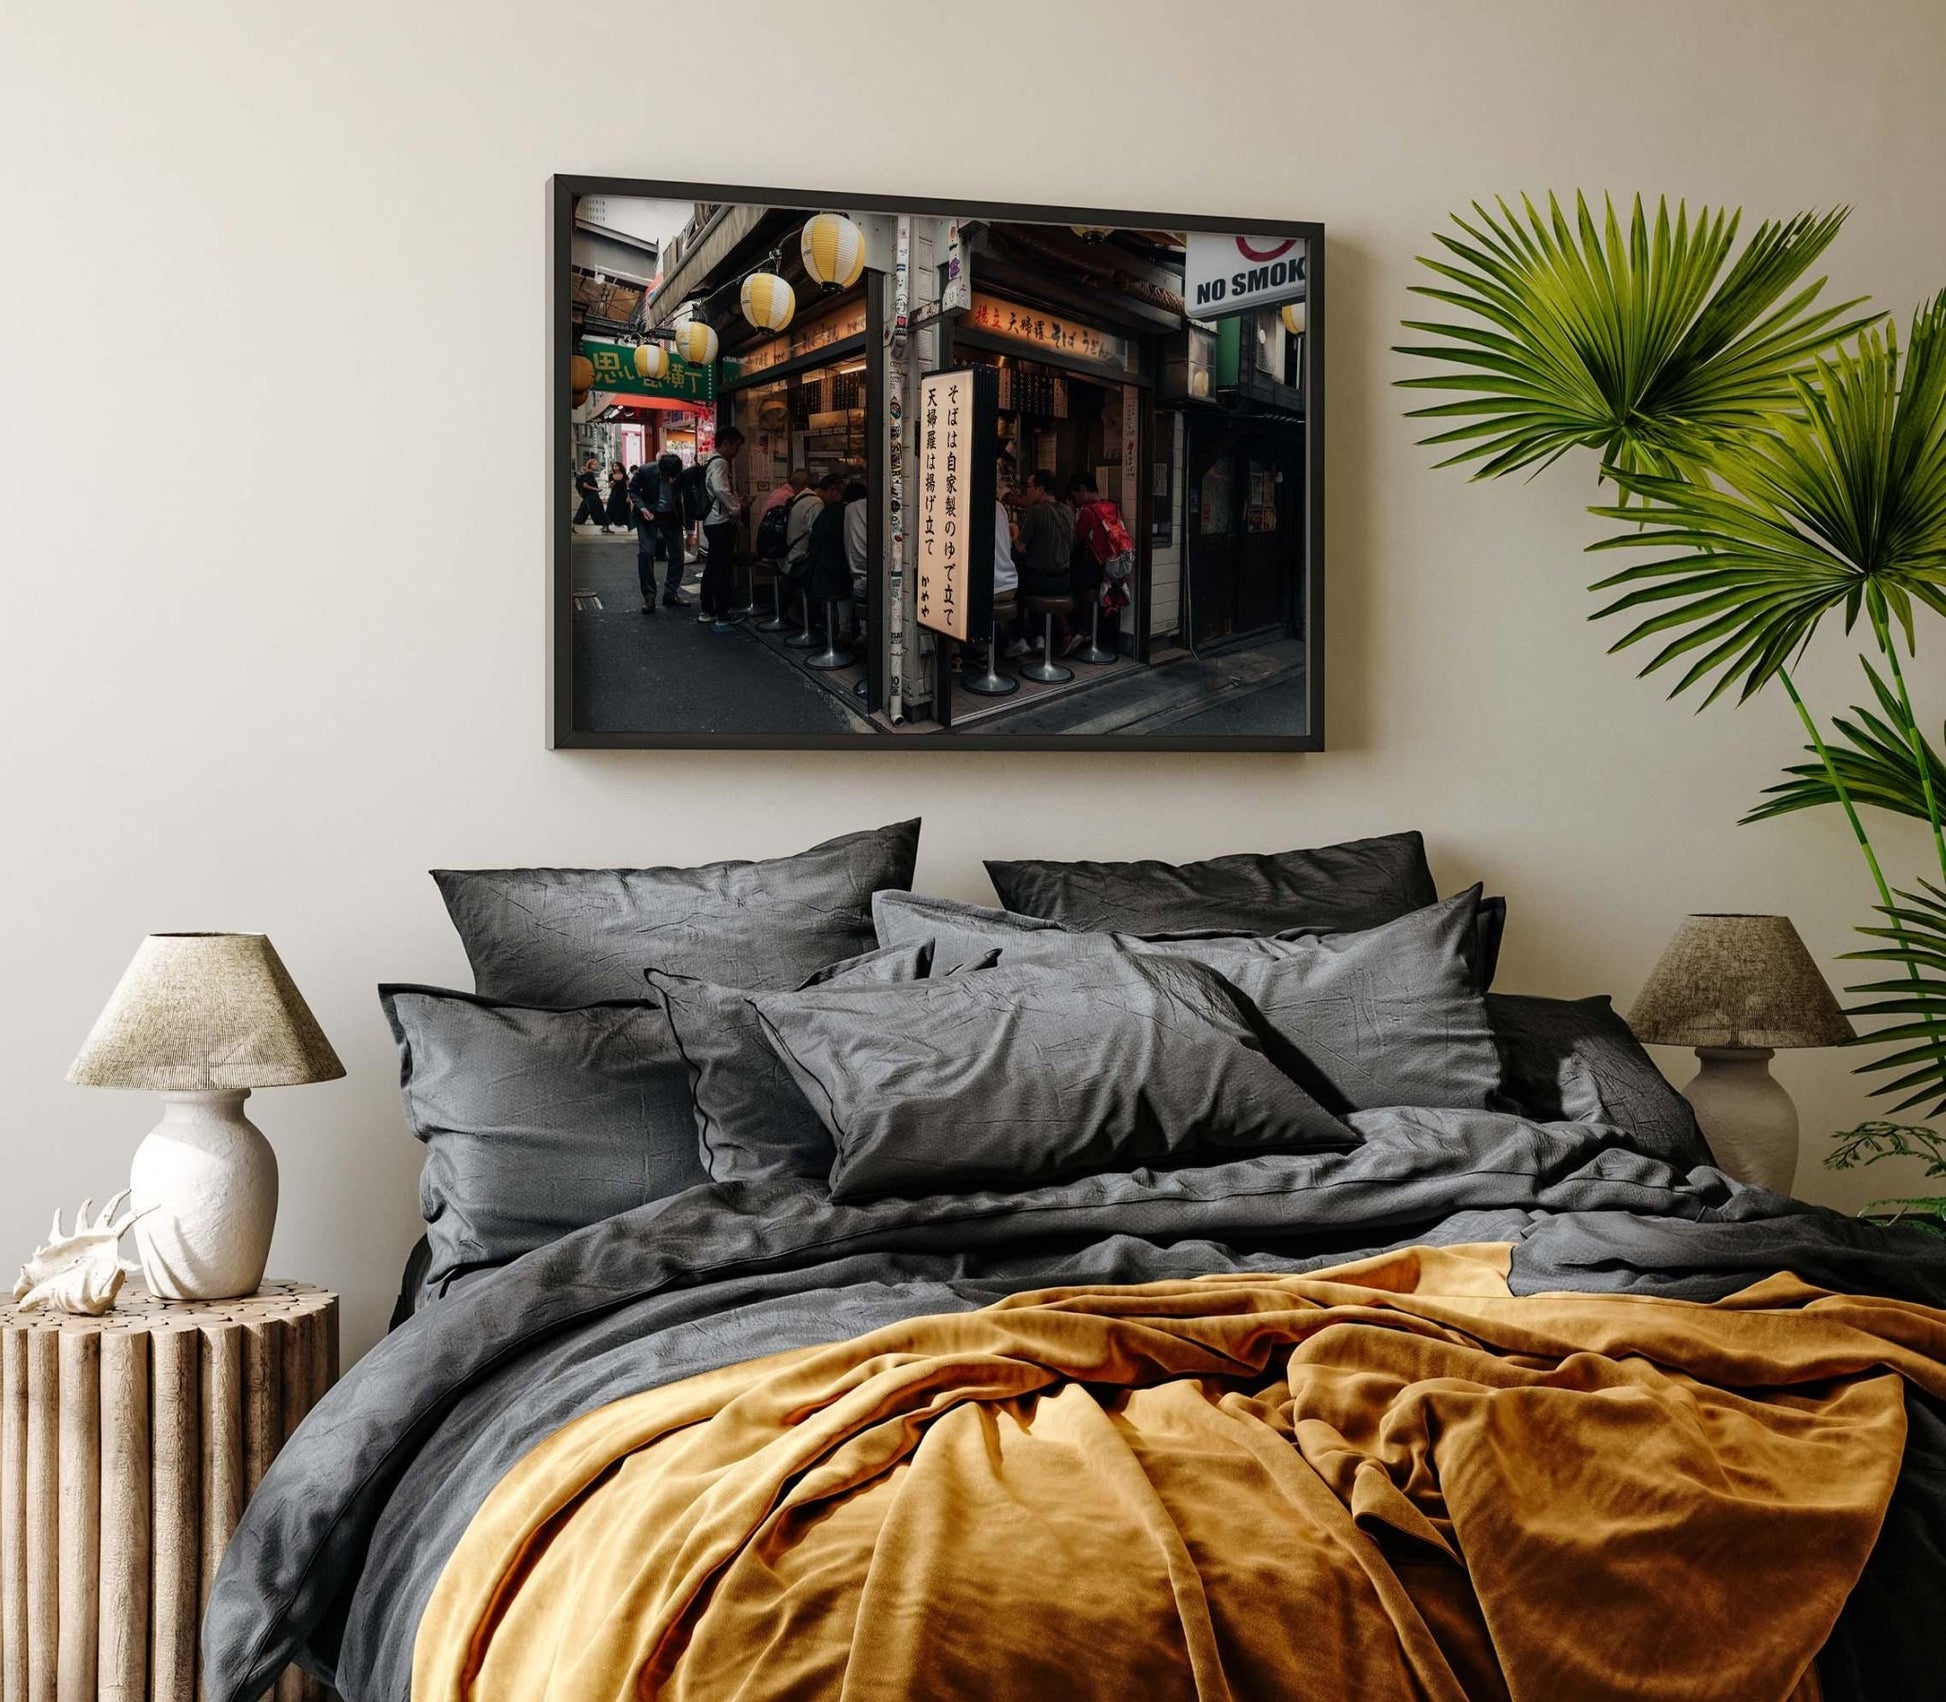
<point x="564" y="189"/>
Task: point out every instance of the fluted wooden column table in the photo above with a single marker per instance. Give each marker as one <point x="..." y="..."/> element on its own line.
<point x="128" y="1445"/>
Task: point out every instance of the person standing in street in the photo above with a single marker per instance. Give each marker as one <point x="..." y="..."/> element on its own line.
<point x="671" y="526"/>
<point x="587" y="486"/>
<point x="655" y="491"/>
<point x="725" y="509"/>
<point x="617" y="514"/>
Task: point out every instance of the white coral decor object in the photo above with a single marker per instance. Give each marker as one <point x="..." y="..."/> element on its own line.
<point x="81" y="1272"/>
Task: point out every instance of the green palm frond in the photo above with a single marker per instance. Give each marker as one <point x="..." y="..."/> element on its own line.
<point x="1880" y="768"/>
<point x="1914" y="1005"/>
<point x="1841" y="508"/>
<point x="1637" y="343"/>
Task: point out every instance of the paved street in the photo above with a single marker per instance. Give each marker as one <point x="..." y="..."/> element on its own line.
<point x="665" y="672"/>
<point x="1259" y="690"/>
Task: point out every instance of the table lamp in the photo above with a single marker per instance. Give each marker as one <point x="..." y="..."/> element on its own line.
<point x="1737" y="988"/>
<point x="202" y="1019"/>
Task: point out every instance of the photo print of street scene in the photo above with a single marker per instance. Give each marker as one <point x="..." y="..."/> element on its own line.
<point x="833" y="470"/>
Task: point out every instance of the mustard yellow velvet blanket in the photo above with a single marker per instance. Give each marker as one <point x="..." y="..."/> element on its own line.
<point x="1394" y="1479"/>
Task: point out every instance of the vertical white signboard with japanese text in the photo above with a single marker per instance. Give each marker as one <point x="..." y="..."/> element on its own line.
<point x="954" y="516"/>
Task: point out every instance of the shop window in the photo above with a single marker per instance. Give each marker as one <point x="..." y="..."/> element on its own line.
<point x="1218" y="503"/>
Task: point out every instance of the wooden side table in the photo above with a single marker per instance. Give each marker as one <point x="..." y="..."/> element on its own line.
<point x="128" y="1444"/>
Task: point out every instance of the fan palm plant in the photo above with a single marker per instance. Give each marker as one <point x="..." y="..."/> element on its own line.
<point x="1638" y="344"/>
<point x="1775" y="477"/>
<point x="1840" y="507"/>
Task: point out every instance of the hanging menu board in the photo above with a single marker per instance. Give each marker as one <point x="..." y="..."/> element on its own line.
<point x="958" y="440"/>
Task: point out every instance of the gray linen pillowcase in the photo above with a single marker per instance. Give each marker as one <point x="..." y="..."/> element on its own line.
<point x="1576" y="1061"/>
<point x="1017" y="1074"/>
<point x="1384" y="1016"/>
<point x="536" y="1122"/>
<point x="568" y="937"/>
<point x="751" y="1120"/>
<point x="1332" y="888"/>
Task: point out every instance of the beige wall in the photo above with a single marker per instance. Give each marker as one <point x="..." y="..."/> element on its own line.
<point x="271" y="494"/>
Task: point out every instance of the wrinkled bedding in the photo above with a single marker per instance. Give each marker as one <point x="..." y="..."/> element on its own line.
<point x="341" y="1549"/>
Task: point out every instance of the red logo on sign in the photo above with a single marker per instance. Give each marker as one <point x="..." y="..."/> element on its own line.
<point x="1249" y="253"/>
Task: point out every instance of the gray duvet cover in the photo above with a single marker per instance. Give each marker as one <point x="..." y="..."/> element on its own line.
<point x="340" y="1548"/>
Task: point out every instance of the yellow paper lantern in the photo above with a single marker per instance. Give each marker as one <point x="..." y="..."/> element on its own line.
<point x="581" y="373"/>
<point x="833" y="249"/>
<point x="696" y="343"/>
<point x="651" y="361"/>
<point x="1293" y="317"/>
<point x="768" y="301"/>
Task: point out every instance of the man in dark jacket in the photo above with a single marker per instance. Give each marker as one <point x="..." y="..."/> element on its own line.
<point x="827" y="571"/>
<point x="657" y="490"/>
<point x="1045" y="552"/>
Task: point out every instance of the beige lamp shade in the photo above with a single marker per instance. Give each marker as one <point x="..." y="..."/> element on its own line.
<point x="1742" y="981"/>
<point x="196" y="1012"/>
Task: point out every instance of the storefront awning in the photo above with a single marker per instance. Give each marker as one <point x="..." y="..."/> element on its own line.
<point x="692" y="271"/>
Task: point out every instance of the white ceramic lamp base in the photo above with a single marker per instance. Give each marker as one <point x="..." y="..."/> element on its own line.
<point x="206" y="1181"/>
<point x="1747" y="1118"/>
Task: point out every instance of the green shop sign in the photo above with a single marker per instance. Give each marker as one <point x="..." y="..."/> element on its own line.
<point x="614" y="365"/>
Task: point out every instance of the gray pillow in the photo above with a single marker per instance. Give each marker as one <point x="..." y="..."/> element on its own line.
<point x="1008" y="1076"/>
<point x="750" y="1117"/>
<point x="1576" y="1061"/>
<point x="1335" y="888"/>
<point x="1385" y="1016"/>
<point x="566" y="937"/>
<point x="536" y="1122"/>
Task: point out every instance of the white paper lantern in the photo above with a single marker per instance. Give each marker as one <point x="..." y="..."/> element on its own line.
<point x="833" y="249"/>
<point x="1293" y="317"/>
<point x="768" y="301"/>
<point x="696" y="343"/>
<point x="651" y="361"/>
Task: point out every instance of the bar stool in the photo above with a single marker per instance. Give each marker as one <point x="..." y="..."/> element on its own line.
<point x="778" y="621"/>
<point x="830" y="656"/>
<point x="806" y="638"/>
<point x="1092" y="650"/>
<point x="1048" y="671"/>
<point x="993" y="683"/>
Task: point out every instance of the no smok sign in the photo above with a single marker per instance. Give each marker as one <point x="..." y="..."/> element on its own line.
<point x="1225" y="274"/>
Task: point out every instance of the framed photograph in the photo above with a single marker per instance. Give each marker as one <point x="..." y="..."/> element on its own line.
<point x="834" y="471"/>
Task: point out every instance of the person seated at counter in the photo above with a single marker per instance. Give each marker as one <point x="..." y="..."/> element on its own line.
<point x="799" y="481"/>
<point x="857" y="543"/>
<point x="826" y="566"/>
<point x="1006" y="480"/>
<point x="1046" y="548"/>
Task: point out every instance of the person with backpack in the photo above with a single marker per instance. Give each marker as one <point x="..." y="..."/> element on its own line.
<point x="773" y="524"/>
<point x="725" y="510"/>
<point x="786" y="493"/>
<point x="1104" y="553"/>
<point x="656" y="491"/>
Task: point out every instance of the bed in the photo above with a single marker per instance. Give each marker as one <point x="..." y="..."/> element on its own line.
<point x="1055" y="1303"/>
